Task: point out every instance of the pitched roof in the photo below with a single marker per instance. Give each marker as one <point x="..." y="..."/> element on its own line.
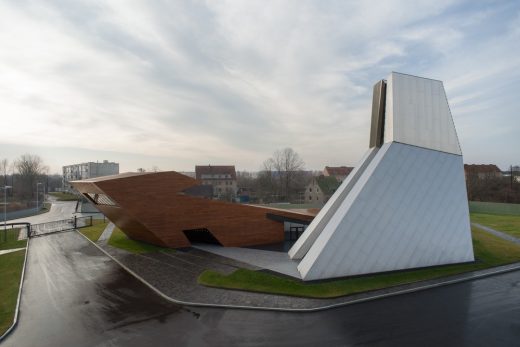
<point x="338" y="170"/>
<point x="215" y="170"/>
<point x="327" y="184"/>
<point x="483" y="168"/>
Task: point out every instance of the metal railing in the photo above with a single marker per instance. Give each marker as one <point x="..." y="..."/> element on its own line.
<point x="60" y="225"/>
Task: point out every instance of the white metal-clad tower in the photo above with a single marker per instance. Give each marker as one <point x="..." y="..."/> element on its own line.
<point x="405" y="204"/>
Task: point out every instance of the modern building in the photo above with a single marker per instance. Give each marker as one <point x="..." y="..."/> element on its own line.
<point x="222" y="178"/>
<point x="405" y="204"/>
<point x="88" y="170"/>
<point x="320" y="189"/>
<point x="170" y="209"/>
<point x="339" y="172"/>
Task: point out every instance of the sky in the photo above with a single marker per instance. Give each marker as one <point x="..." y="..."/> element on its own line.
<point x="172" y="84"/>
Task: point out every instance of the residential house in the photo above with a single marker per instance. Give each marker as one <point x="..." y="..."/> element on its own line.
<point x="339" y="172"/>
<point x="223" y="178"/>
<point x="481" y="171"/>
<point x="321" y="189"/>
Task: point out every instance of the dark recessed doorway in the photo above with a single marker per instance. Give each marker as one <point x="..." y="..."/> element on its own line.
<point x="201" y="236"/>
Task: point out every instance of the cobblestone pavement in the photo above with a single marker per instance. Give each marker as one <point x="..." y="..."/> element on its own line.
<point x="175" y="275"/>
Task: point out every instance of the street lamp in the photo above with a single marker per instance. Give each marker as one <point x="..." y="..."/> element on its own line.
<point x="37" y="205"/>
<point x="5" y="204"/>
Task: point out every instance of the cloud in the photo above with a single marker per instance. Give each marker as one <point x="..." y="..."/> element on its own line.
<point x="232" y="81"/>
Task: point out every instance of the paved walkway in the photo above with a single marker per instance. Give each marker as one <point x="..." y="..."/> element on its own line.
<point x="106" y="233"/>
<point x="22" y="235"/>
<point x="275" y="261"/>
<point x="11" y="250"/>
<point x="497" y="233"/>
<point x="59" y="210"/>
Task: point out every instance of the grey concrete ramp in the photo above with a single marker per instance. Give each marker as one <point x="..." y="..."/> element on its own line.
<point x="269" y="260"/>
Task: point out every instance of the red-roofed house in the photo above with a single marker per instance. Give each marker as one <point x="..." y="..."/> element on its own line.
<point x="339" y="172"/>
<point x="482" y="171"/>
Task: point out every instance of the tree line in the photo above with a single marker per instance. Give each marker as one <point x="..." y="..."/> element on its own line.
<point x="282" y="178"/>
<point x="491" y="188"/>
<point x="23" y="175"/>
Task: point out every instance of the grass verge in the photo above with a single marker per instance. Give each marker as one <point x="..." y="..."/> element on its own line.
<point x="119" y="239"/>
<point x="494" y="208"/>
<point x="508" y="224"/>
<point x="11" y="265"/>
<point x="61" y="196"/>
<point x="94" y="232"/>
<point x="9" y="240"/>
<point x="489" y="250"/>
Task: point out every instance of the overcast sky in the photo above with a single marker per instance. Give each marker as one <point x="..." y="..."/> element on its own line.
<point x="176" y="83"/>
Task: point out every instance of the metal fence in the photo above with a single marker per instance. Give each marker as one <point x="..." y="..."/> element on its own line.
<point x="60" y="225"/>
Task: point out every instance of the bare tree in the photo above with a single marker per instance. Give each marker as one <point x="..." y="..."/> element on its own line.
<point x="288" y="165"/>
<point x="281" y="175"/>
<point x="30" y="168"/>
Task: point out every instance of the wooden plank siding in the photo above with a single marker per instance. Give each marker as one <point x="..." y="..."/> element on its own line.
<point x="152" y="207"/>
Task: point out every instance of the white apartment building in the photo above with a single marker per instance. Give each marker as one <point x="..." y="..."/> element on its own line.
<point x="88" y="170"/>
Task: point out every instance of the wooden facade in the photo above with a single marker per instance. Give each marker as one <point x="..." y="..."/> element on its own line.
<point x="157" y="208"/>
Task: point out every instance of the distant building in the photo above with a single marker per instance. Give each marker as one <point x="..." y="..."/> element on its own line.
<point x="481" y="171"/>
<point x="339" y="172"/>
<point x="223" y="178"/>
<point x="87" y="170"/>
<point x="188" y="173"/>
<point x="321" y="189"/>
<point x="514" y="171"/>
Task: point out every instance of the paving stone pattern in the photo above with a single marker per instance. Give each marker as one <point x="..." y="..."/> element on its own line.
<point x="175" y="275"/>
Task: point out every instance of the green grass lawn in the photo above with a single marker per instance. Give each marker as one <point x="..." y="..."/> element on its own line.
<point x="120" y="240"/>
<point x="11" y="265"/>
<point x="494" y="208"/>
<point x="507" y="223"/>
<point x="12" y="239"/>
<point x="94" y="232"/>
<point x="62" y="196"/>
<point x="489" y="251"/>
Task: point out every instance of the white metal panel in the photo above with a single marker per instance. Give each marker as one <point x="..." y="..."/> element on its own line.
<point x="417" y="113"/>
<point x="409" y="209"/>
<point x="304" y="243"/>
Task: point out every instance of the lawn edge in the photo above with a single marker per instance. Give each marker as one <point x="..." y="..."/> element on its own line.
<point x="19" y="299"/>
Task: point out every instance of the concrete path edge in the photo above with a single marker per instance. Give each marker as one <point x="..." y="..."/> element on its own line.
<point x="18" y="300"/>
<point x="314" y="309"/>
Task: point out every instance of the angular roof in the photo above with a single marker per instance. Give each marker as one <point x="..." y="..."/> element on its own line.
<point x="338" y="170"/>
<point x="215" y="170"/>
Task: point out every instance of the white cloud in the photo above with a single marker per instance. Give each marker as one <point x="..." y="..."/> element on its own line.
<point x="231" y="81"/>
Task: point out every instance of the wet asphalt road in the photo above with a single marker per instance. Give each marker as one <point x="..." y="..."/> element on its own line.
<point x="75" y="296"/>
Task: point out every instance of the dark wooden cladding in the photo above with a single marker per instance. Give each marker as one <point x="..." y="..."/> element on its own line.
<point x="377" y="127"/>
<point x="152" y="207"/>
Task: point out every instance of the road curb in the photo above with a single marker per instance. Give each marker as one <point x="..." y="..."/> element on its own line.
<point x="314" y="309"/>
<point x="17" y="310"/>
